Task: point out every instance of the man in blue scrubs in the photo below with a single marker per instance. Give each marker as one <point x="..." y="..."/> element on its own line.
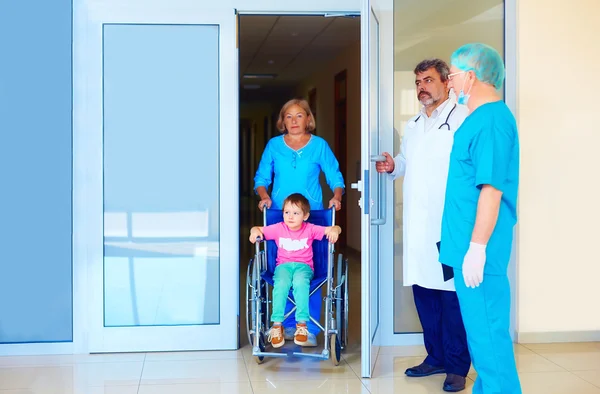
<point x="480" y="213"/>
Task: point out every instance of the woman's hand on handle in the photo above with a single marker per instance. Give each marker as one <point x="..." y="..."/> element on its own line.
<point x="264" y="197"/>
<point x="265" y="202"/>
<point x="335" y="202"/>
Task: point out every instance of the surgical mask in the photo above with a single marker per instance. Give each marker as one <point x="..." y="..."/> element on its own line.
<point x="463" y="98"/>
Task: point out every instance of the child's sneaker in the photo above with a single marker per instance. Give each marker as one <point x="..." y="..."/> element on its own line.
<point x="301" y="335"/>
<point x="276" y="336"/>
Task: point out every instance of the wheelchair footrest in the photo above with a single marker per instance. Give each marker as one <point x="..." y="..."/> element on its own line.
<point x="266" y="354"/>
<point x="320" y="356"/>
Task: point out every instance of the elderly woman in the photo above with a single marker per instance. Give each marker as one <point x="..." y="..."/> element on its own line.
<point x="480" y="213"/>
<point x="292" y="162"/>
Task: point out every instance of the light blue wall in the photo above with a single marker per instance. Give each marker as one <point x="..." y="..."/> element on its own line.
<point x="35" y="171"/>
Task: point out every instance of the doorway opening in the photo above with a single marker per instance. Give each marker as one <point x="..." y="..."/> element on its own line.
<point x="316" y="58"/>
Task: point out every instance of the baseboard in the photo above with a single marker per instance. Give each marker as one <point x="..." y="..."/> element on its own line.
<point x="36" y="349"/>
<point x="558" y="336"/>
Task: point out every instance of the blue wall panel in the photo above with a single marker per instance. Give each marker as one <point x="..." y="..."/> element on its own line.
<point x="35" y="171"/>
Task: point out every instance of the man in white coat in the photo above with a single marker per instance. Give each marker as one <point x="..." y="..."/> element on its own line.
<point x="423" y="161"/>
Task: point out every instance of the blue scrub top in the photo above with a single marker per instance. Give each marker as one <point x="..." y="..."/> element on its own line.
<point x="485" y="152"/>
<point x="298" y="171"/>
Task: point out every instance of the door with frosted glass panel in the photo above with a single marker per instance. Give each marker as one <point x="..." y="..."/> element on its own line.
<point x="156" y="141"/>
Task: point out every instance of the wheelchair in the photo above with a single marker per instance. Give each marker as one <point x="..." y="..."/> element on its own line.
<point x="259" y="283"/>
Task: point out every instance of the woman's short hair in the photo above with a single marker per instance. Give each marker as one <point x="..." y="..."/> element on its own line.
<point x="483" y="60"/>
<point x="310" y="125"/>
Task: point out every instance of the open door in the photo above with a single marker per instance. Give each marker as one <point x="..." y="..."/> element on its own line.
<point x="371" y="186"/>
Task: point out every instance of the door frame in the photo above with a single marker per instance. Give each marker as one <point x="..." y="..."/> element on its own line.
<point x="88" y="185"/>
<point x="389" y="337"/>
<point x="340" y="142"/>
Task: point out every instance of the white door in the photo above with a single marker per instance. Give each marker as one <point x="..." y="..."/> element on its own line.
<point x="156" y="131"/>
<point x="372" y="186"/>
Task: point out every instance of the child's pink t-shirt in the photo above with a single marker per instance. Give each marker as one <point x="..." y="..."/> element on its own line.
<point x="294" y="246"/>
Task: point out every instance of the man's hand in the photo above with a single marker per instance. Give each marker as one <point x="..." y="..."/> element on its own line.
<point x="386" y="166"/>
<point x="473" y="265"/>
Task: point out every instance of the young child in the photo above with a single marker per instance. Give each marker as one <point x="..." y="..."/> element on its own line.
<point x="294" y="268"/>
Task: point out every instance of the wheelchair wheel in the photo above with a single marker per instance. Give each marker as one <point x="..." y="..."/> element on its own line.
<point x="335" y="348"/>
<point x="338" y="296"/>
<point x="345" y="309"/>
<point x="253" y="279"/>
<point x="341" y="313"/>
<point x="250" y="307"/>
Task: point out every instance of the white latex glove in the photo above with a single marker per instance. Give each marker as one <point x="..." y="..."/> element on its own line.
<point x="473" y="265"/>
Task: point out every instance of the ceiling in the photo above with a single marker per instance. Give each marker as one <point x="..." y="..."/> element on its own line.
<point x="291" y="47"/>
<point x="294" y="47"/>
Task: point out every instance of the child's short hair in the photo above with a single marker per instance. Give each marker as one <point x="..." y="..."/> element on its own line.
<point x="298" y="200"/>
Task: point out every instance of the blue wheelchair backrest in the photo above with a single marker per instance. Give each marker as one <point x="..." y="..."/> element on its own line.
<point x="320" y="248"/>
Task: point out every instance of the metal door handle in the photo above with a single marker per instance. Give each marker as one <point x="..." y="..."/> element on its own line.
<point x="381" y="208"/>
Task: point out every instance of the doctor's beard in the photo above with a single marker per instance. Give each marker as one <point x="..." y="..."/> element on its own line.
<point x="426" y="99"/>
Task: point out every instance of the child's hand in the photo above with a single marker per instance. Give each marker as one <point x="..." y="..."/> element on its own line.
<point x="333" y="236"/>
<point x="255" y="234"/>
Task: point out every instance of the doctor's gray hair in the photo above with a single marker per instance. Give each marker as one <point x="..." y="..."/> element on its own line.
<point x="440" y="66"/>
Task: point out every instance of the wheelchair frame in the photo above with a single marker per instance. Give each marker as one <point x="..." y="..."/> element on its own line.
<point x="258" y="314"/>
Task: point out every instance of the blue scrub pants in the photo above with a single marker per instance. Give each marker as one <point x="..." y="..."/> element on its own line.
<point x="314" y="306"/>
<point x="443" y="330"/>
<point x="486" y="315"/>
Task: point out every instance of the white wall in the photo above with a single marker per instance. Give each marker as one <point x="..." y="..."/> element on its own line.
<point x="323" y="81"/>
<point x="558" y="233"/>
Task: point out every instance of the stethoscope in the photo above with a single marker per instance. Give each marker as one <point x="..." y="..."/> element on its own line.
<point x="414" y="122"/>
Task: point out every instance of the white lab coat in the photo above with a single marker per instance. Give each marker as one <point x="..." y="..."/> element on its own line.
<point x="423" y="161"/>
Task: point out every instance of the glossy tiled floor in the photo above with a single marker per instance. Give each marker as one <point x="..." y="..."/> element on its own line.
<point x="544" y="369"/>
